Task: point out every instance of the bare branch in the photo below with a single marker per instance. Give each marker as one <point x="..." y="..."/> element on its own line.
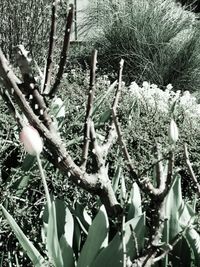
<point x="123" y="146"/>
<point x="64" y="51"/>
<point x="52" y="38"/>
<point x="97" y="150"/>
<point x="145" y="184"/>
<point x="191" y="171"/>
<point x="89" y="108"/>
<point x="159" y="167"/>
<point x="30" y="88"/>
<point x="61" y="158"/>
<point x="111" y="136"/>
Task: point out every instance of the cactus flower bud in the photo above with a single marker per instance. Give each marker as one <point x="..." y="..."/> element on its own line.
<point x="173" y="132"/>
<point x="31" y="139"/>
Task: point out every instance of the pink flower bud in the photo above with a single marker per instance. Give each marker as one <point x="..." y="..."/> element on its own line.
<point x="173" y="132"/>
<point x="31" y="139"/>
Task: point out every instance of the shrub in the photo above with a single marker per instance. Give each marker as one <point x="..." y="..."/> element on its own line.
<point x="158" y="40"/>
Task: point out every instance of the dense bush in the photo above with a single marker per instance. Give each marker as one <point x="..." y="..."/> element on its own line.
<point x="158" y="39"/>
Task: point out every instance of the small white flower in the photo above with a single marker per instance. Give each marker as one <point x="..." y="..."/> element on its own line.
<point x="145" y="84"/>
<point x="169" y="87"/>
<point x="31" y="139"/>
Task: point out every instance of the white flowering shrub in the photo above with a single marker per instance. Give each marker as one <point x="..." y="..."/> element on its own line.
<point x="161" y="101"/>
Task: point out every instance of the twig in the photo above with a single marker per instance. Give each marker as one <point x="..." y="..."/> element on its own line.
<point x="145" y="184"/>
<point x="52" y="39"/>
<point x="167" y="181"/>
<point x="123" y="145"/>
<point x="112" y="132"/>
<point x="30" y="88"/>
<point x="191" y="171"/>
<point x="89" y="109"/>
<point x="153" y="164"/>
<point x="64" y="51"/>
<point x="96" y="147"/>
<point x="159" y="167"/>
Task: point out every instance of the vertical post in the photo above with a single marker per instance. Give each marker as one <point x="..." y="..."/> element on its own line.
<point x="75" y="20"/>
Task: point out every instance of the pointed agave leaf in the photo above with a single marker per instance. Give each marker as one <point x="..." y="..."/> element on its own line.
<point x="65" y="222"/>
<point x="82" y="217"/>
<point x="193" y="239"/>
<point x="104" y="117"/>
<point x="53" y="246"/>
<point x="173" y="203"/>
<point x="122" y="195"/>
<point x="32" y="252"/>
<point x="97" y="239"/>
<point x="69" y="227"/>
<point x="67" y="252"/>
<point x="76" y="238"/>
<point x="60" y="216"/>
<point x="65" y="230"/>
<point x="115" y="180"/>
<point x="22" y="185"/>
<point x="99" y="101"/>
<point x="112" y="255"/>
<point x="28" y="163"/>
<point x="178" y="215"/>
<point x="135" y="203"/>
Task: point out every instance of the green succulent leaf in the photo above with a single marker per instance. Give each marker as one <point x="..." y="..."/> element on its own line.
<point x="135" y="203"/>
<point x="178" y="216"/>
<point x="82" y="217"/>
<point x="67" y="252"/>
<point x="96" y="240"/>
<point x="52" y="242"/>
<point x="32" y="252"/>
<point x="193" y="239"/>
<point x="77" y="238"/>
<point x="134" y="236"/>
<point x="116" y="178"/>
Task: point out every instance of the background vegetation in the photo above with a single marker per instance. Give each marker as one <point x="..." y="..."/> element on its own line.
<point x="159" y="42"/>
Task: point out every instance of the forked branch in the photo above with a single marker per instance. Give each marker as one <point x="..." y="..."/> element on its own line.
<point x="111" y="135"/>
<point x="52" y="39"/>
<point x="89" y="109"/>
<point x="64" y="51"/>
<point x="97" y="183"/>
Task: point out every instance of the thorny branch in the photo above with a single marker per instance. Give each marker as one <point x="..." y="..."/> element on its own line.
<point x="52" y="39"/>
<point x="111" y="136"/>
<point x="89" y="109"/>
<point x="64" y="51"/>
<point x="97" y="183"/>
<point x="156" y="193"/>
<point x="30" y="88"/>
